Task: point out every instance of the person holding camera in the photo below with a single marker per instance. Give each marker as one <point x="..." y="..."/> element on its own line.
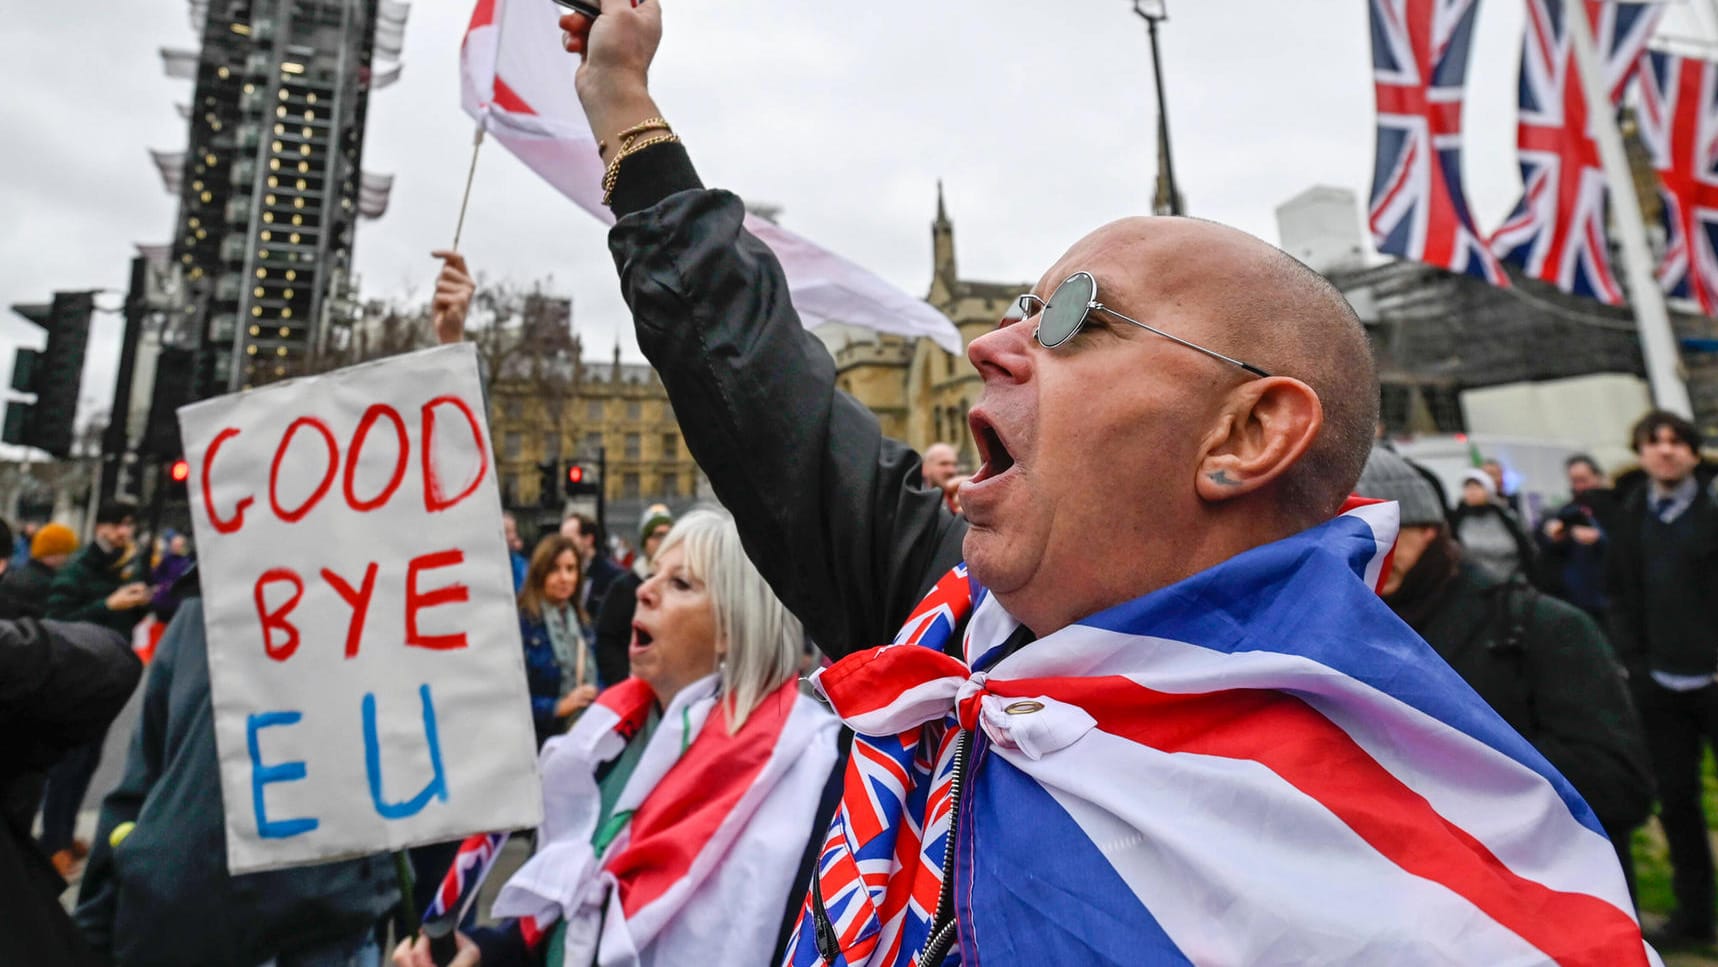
<point x="1573" y="540"/>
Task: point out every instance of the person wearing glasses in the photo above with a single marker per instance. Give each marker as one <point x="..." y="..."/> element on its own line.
<point x="1168" y="427"/>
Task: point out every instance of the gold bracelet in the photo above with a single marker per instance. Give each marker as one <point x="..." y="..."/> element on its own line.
<point x="612" y="174"/>
<point x="632" y="147"/>
<point x="648" y="124"/>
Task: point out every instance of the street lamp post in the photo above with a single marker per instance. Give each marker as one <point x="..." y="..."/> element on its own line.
<point x="1154" y="12"/>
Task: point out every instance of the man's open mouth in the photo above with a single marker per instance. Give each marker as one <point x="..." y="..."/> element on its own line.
<point x="997" y="459"/>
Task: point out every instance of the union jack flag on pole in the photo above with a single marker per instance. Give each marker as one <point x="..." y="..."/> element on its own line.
<point x="1678" y="116"/>
<point x="1418" y="209"/>
<point x="471" y="865"/>
<point x="1557" y="231"/>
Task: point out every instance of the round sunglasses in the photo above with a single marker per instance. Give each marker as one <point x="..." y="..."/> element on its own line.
<point x="1060" y="318"/>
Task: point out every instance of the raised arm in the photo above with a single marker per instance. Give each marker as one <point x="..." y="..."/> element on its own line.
<point x="832" y="513"/>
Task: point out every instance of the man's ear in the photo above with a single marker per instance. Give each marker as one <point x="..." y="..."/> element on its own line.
<point x="1265" y="427"/>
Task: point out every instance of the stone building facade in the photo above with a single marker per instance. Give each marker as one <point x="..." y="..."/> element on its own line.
<point x="920" y="393"/>
<point x="560" y="408"/>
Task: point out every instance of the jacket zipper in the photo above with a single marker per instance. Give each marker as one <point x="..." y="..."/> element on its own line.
<point x="942" y="933"/>
<point x="943" y="926"/>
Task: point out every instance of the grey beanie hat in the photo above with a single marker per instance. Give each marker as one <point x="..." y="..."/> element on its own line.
<point x="1389" y="477"/>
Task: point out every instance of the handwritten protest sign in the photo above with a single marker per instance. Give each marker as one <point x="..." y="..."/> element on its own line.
<point x="364" y="654"/>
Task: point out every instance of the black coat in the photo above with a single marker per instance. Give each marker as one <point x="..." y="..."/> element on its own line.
<point x="1569" y="569"/>
<point x="613" y="634"/>
<point x="604" y="571"/>
<point x="1544" y="667"/>
<point x="163" y="895"/>
<point x="24" y="591"/>
<point x="1625" y="572"/>
<point x="60" y="686"/>
<point x="833" y="514"/>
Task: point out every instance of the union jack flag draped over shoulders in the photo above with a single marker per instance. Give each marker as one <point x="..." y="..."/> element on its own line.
<point x="1557" y="231"/>
<point x="1259" y="764"/>
<point x="1419" y="63"/>
<point x="1678" y="98"/>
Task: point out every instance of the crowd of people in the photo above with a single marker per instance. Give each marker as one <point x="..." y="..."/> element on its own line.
<point x="1584" y="629"/>
<point x="1147" y="685"/>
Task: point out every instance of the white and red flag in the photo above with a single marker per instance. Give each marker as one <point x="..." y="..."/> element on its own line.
<point x="704" y="839"/>
<point x="517" y="81"/>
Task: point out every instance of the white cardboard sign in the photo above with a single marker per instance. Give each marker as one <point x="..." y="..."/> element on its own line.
<point x="364" y="654"/>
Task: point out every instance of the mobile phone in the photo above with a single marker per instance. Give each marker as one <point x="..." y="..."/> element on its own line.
<point x="585" y="7"/>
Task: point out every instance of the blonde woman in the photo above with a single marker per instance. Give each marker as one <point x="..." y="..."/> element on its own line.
<point x="677" y="809"/>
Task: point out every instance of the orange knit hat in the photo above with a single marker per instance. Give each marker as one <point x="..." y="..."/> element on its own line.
<point x="53" y="539"/>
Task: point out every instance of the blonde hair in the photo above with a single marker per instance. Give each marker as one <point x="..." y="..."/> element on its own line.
<point x="763" y="640"/>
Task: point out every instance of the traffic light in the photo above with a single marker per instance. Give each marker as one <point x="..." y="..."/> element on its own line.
<point x="18" y="413"/>
<point x="174" y="369"/>
<point x="579" y="482"/>
<point x="178" y="472"/>
<point x="56" y="373"/>
<point x="548" y="486"/>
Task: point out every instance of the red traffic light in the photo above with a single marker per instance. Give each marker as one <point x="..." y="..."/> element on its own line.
<point x="575" y="474"/>
<point x="180" y="471"/>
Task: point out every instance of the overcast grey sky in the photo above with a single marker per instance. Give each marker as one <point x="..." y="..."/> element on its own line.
<point x="1038" y="117"/>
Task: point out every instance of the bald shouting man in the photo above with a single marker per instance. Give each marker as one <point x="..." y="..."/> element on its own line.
<point x="1158" y="715"/>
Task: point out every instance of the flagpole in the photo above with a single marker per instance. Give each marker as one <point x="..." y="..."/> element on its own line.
<point x="470" y="175"/>
<point x="1652" y="319"/>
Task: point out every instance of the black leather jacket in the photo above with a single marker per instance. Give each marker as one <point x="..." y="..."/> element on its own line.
<point x="60" y="686"/>
<point x="832" y="513"/>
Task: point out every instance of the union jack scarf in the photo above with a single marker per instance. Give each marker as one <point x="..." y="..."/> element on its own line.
<point x="1258" y="764"/>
